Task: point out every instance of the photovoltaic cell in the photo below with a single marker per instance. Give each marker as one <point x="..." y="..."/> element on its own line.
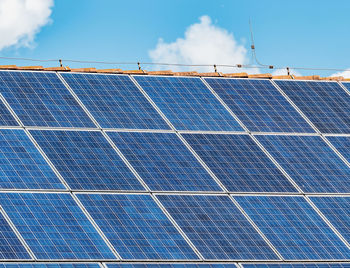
<point x="337" y="211"/>
<point x="259" y="105"/>
<point x="41" y="99"/>
<point x="54" y="227"/>
<point x="342" y="144"/>
<point x="326" y="104"/>
<point x="216" y="227"/>
<point x="115" y="101"/>
<point x="10" y="246"/>
<point x="86" y="160"/>
<point x="49" y="265"/>
<point x="188" y="103"/>
<point x="6" y="118"/>
<point x="311" y="163"/>
<point x="136" y="227"/>
<point x="164" y="162"/>
<point x="21" y="164"/>
<point x="298" y="265"/>
<point x="294" y="227"/>
<point x="239" y="163"/>
<point x="170" y="265"/>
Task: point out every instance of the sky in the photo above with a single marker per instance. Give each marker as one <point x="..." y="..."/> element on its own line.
<point x="310" y="34"/>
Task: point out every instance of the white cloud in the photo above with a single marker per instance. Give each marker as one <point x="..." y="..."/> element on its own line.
<point x="20" y="20"/>
<point x="345" y="74"/>
<point x="203" y="43"/>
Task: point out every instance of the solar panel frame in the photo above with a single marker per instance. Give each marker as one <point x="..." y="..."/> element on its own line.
<point x="130" y="117"/>
<point x="257" y="108"/>
<point x="6" y="117"/>
<point x="172" y="265"/>
<point x="48" y="265"/>
<point x="297" y="265"/>
<point x="40" y="99"/>
<point x="175" y="111"/>
<point x="276" y="230"/>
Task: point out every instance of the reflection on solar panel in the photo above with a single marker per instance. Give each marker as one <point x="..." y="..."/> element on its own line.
<point x="164" y="162"/>
<point x="115" y="101"/>
<point x="49" y="265"/>
<point x="310" y="162"/>
<point x="298" y="265"/>
<point x="22" y="166"/>
<point x="294" y="227"/>
<point x="170" y="265"/>
<point x="239" y="163"/>
<point x="259" y="105"/>
<point x="337" y="210"/>
<point x="188" y="103"/>
<point x="10" y="246"/>
<point x="216" y="227"/>
<point x="137" y="227"/>
<point x="41" y="99"/>
<point x="86" y="160"/>
<point x="54" y="227"/>
<point x="326" y="104"/>
<point x="6" y="118"/>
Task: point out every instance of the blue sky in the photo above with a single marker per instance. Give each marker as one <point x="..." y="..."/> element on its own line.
<point x="286" y="33"/>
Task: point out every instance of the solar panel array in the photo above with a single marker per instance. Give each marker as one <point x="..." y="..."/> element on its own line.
<point x="125" y="171"/>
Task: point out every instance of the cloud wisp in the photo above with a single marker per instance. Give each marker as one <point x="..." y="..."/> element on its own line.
<point x="21" y="20"/>
<point x="203" y="43"/>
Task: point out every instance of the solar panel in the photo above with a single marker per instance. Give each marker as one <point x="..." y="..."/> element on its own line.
<point x="6" y="118"/>
<point x="259" y="105"/>
<point x="294" y="227"/>
<point x="86" y="160"/>
<point x="342" y="144"/>
<point x="297" y="265"/>
<point x="115" y="101"/>
<point x="216" y="227"/>
<point x="171" y="265"/>
<point x="54" y="227"/>
<point x="239" y="163"/>
<point x="137" y="227"/>
<point x="21" y="164"/>
<point x="164" y="162"/>
<point x="188" y="103"/>
<point x="49" y="265"/>
<point x="326" y="104"/>
<point x="10" y="246"/>
<point x="337" y="211"/>
<point x="310" y="162"/>
<point x="41" y="99"/>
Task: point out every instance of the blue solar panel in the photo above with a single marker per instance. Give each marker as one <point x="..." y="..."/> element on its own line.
<point x="188" y="103"/>
<point x="310" y="162"/>
<point x="21" y="164"/>
<point x="326" y="104"/>
<point x="342" y="144"/>
<point x="239" y="163"/>
<point x="6" y="118"/>
<point x="41" y="99"/>
<point x="298" y="265"/>
<point x="86" y="160"/>
<point x="294" y="227"/>
<point x="337" y="211"/>
<point x="10" y="246"/>
<point x="136" y="227"/>
<point x="54" y="227"/>
<point x="49" y="265"/>
<point x="164" y="162"/>
<point x="170" y="265"/>
<point x="259" y="105"/>
<point x="216" y="227"/>
<point x="115" y="101"/>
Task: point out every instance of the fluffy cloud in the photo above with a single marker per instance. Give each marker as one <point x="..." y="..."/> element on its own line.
<point x="20" y="20"/>
<point x="345" y="74"/>
<point x="203" y="43"/>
